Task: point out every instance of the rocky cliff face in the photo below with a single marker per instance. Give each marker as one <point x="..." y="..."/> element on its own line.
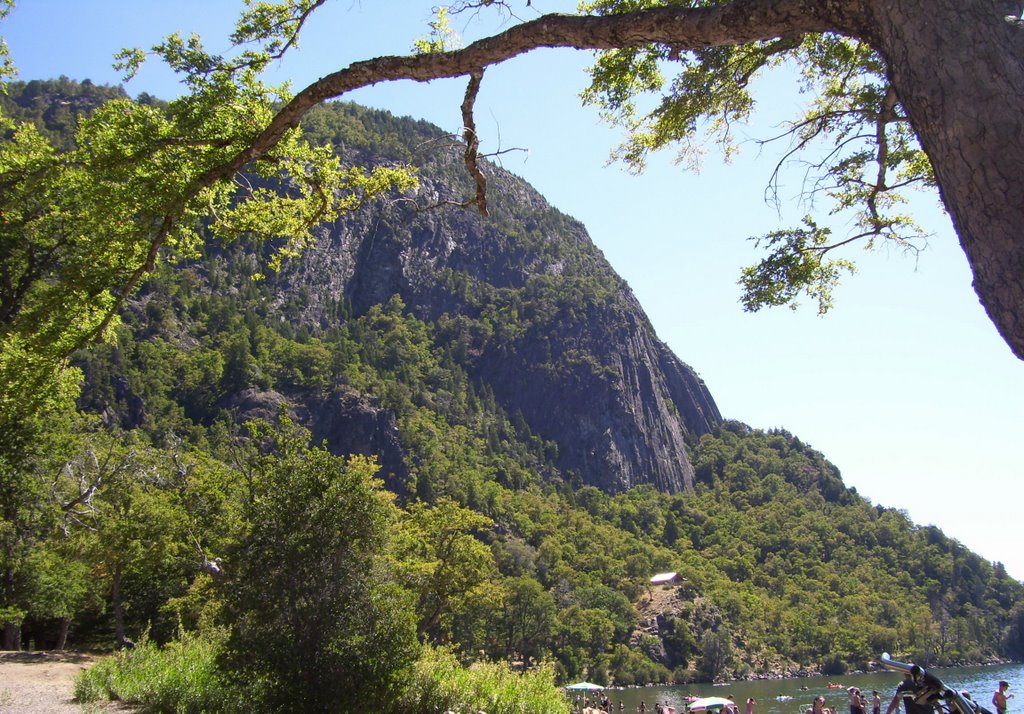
<point x="521" y="301"/>
<point x="566" y="344"/>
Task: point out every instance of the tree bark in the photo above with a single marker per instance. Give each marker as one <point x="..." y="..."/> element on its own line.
<point x="118" y="606"/>
<point x="958" y="69"/>
<point x="62" y="634"/>
<point x="12" y="630"/>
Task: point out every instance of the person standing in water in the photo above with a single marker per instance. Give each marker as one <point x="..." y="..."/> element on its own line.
<point x="1000" y="697"/>
<point x="856" y="701"/>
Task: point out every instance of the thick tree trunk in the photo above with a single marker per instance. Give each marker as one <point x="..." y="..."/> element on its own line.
<point x="12" y="630"/>
<point x="62" y="634"/>
<point x="118" y="607"/>
<point x="958" y="68"/>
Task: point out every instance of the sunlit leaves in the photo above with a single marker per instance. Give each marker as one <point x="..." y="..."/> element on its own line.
<point x="277" y="24"/>
<point x="314" y="607"/>
<point x="852" y="141"/>
<point x="443" y="561"/>
<point x="7" y="69"/>
<point x="321" y="189"/>
<point x="442" y="36"/>
<point x="795" y="264"/>
<point x="141" y="184"/>
<point x="634" y="88"/>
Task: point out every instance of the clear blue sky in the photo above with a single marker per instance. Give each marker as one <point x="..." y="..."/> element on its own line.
<point x="905" y="385"/>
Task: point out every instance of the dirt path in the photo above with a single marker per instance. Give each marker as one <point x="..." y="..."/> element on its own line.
<point x="41" y="682"/>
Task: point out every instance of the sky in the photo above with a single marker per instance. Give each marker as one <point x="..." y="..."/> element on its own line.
<point x="905" y="385"/>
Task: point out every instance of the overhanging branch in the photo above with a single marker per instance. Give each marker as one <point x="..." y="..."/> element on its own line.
<point x="473" y="141"/>
<point x="734" y="23"/>
<point x="738" y="22"/>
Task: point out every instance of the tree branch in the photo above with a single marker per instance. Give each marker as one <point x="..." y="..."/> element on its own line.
<point x="473" y="141"/>
<point x="738" y="22"/>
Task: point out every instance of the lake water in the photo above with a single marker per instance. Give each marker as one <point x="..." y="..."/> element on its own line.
<point x="979" y="681"/>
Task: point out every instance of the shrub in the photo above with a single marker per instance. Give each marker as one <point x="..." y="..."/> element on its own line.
<point x="181" y="677"/>
<point x="440" y="683"/>
<point x="316" y="618"/>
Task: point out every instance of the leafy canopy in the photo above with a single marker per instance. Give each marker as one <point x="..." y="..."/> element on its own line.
<point x="853" y="140"/>
<point x="81" y="229"/>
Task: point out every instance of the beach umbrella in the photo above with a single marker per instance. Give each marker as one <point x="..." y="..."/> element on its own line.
<point x="584" y="687"/>
<point x="710" y="703"/>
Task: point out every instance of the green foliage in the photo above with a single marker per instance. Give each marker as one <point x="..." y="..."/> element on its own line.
<point x="443" y="561"/>
<point x="317" y="618"/>
<point x="814" y="570"/>
<point x="6" y="65"/>
<point x="631" y="667"/>
<point x="494" y="551"/>
<point x="180" y="677"/>
<point x="124" y="517"/>
<point x="715" y="655"/>
<point x="440" y="683"/>
<point x="796" y="265"/>
<point x="59" y="584"/>
<point x="862" y="153"/>
<point x="326" y="583"/>
<point x="133" y="188"/>
<point x="442" y="36"/>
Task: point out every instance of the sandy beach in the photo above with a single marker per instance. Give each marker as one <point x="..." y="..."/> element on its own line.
<point x="43" y="683"/>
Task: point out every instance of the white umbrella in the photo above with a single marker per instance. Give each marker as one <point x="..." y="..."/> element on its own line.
<point x="710" y="703"/>
<point x="584" y="687"/>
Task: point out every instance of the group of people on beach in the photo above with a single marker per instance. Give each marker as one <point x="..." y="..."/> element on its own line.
<point x="604" y="706"/>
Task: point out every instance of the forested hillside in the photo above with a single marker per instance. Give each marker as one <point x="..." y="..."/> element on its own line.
<point x="435" y="428"/>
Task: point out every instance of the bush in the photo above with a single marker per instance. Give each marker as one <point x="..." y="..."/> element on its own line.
<point x="440" y="683"/>
<point x="316" y="619"/>
<point x="833" y="665"/>
<point x="181" y="677"/>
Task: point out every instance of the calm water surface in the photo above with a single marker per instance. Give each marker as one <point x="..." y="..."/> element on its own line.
<point x="979" y="681"/>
